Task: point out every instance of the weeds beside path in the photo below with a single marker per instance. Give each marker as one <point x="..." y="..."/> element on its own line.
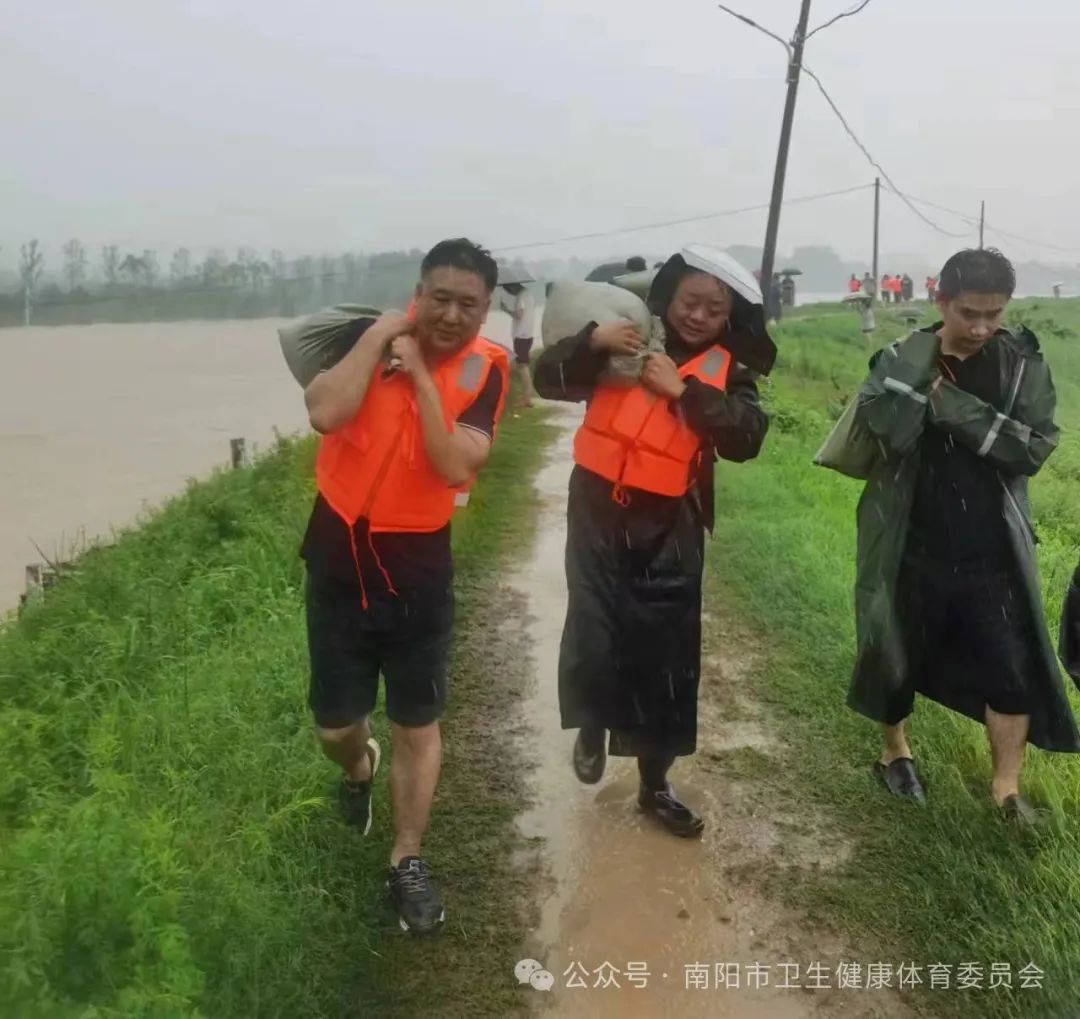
<point x="168" y="845"/>
<point x="949" y="885"/>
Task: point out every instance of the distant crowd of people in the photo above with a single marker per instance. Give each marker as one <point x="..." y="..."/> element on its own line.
<point x="896" y="289"/>
<point x="779" y="295"/>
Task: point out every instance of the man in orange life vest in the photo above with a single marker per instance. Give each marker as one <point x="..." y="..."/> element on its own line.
<point x="407" y="419"/>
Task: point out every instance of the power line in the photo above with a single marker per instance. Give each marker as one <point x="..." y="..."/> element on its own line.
<point x="996" y="229"/>
<point x="858" y="8"/>
<point x="796" y="66"/>
<point x="906" y="199"/>
<point x="1031" y="240"/>
<point x="967" y="217"/>
<point x="873" y="162"/>
<point x="843" y="120"/>
<point x="678" y="222"/>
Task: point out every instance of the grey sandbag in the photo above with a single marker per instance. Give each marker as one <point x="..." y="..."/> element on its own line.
<point x="639" y="283"/>
<point x="318" y="341"/>
<point x="849" y="449"/>
<point x="572" y="306"/>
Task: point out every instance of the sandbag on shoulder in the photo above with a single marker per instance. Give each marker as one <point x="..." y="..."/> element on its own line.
<point x="570" y="307"/>
<point x="318" y="341"/>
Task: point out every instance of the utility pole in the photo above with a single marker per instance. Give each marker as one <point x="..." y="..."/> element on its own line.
<point x="768" y="259"/>
<point x="982" y="224"/>
<point x="877" y="226"/>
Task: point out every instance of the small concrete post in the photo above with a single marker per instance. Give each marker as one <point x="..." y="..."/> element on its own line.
<point x="35" y="577"/>
<point x="35" y="585"/>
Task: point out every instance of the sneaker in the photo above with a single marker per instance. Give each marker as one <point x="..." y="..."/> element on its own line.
<point x="671" y="812"/>
<point x="590" y="755"/>
<point x="415" y="896"/>
<point x="354" y="798"/>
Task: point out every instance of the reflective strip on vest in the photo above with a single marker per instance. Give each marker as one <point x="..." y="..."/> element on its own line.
<point x="715" y="362"/>
<point x="472" y="372"/>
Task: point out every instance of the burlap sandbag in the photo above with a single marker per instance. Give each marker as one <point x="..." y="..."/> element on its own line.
<point x="639" y="283"/>
<point x="318" y="341"/>
<point x="571" y="307"/>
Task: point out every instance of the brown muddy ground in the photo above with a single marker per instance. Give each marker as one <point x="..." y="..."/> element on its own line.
<point x="618" y="891"/>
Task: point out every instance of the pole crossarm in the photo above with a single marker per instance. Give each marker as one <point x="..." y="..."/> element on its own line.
<point x="753" y="24"/>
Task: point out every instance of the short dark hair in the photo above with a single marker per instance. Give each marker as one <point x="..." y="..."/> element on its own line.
<point x="635" y="263"/>
<point x="461" y="253"/>
<point x="976" y="271"/>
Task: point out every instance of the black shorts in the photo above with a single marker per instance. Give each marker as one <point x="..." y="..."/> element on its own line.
<point x="979" y="614"/>
<point x="522" y="349"/>
<point x="407" y="640"/>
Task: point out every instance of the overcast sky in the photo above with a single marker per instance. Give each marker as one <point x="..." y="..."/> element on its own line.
<point x="374" y="124"/>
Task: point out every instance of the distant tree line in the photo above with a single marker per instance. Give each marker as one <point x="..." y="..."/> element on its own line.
<point x="134" y="287"/>
<point x="129" y="286"/>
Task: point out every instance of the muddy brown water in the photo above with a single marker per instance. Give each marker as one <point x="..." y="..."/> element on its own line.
<point x="100" y="422"/>
<point x="621" y="898"/>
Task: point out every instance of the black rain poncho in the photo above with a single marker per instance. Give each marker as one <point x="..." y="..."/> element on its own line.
<point x="630" y="658"/>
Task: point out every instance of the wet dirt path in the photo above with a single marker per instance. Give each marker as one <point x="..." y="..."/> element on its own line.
<point x="622" y="898"/>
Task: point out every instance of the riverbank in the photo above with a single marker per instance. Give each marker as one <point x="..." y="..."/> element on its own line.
<point x="168" y="840"/>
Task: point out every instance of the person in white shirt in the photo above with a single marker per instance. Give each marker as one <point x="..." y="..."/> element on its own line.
<point x="522" y="309"/>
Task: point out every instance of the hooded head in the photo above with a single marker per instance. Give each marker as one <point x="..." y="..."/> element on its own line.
<point x="703" y="296"/>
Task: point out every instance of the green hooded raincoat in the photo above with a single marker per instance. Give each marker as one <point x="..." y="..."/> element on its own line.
<point x="893" y="406"/>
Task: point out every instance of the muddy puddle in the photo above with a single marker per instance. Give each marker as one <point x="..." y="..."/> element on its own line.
<point x="632" y="921"/>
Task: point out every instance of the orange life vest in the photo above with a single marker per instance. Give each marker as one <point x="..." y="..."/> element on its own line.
<point x="636" y="439"/>
<point x="376" y="467"/>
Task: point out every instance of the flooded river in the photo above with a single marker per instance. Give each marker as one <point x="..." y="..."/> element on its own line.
<point x="99" y="422"/>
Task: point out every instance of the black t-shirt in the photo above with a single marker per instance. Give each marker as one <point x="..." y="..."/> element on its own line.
<point x="958" y="513"/>
<point x="411" y="562"/>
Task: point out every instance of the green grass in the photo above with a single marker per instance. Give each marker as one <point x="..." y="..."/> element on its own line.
<point x="168" y="844"/>
<point x="949" y="884"/>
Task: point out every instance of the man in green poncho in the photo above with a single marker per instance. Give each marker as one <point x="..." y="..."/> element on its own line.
<point x="947" y="592"/>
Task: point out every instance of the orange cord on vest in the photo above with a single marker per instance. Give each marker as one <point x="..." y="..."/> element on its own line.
<point x="359" y="572"/>
<point x="378" y="562"/>
<point x="620" y="495"/>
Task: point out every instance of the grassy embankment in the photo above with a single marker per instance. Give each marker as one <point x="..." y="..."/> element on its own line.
<point x="948" y="884"/>
<point x="168" y="843"/>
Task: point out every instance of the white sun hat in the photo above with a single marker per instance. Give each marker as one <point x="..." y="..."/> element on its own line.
<point x="712" y="259"/>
